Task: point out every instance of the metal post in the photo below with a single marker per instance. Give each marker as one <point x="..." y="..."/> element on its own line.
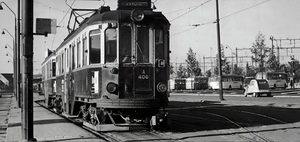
<point x="236" y="56"/>
<point x="204" y="64"/>
<point x="278" y="58"/>
<point x="272" y="38"/>
<point x="27" y="83"/>
<point x="219" y="54"/>
<point x="18" y="56"/>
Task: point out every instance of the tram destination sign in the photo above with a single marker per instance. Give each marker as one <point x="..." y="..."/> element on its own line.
<point x="45" y="26"/>
<point x="131" y="4"/>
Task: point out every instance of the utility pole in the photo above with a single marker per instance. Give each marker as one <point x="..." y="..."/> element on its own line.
<point x="27" y="77"/>
<point x="19" y="81"/>
<point x="219" y="54"/>
<point x="204" y="64"/>
<point x="236" y="56"/>
<point x="272" y="38"/>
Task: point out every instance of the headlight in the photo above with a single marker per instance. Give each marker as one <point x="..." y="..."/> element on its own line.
<point x="112" y="87"/>
<point x="137" y="15"/>
<point x="161" y="87"/>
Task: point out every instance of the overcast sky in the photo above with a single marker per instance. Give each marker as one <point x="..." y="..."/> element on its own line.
<point x="241" y="21"/>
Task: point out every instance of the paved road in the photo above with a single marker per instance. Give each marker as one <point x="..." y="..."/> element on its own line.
<point x="206" y="118"/>
<point x="5" y="102"/>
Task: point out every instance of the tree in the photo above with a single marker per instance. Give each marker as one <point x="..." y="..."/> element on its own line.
<point x="250" y="71"/>
<point x="193" y="68"/>
<point x="272" y="63"/>
<point x="226" y="68"/>
<point x="171" y="69"/>
<point x="293" y="69"/>
<point x="208" y="73"/>
<point x="237" y="70"/>
<point x="181" y="72"/>
<point x="260" y="51"/>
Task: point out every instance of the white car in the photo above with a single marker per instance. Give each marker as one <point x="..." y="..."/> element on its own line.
<point x="257" y="87"/>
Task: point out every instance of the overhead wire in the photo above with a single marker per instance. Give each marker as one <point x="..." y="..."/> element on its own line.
<point x="179" y="10"/>
<point x="213" y="21"/>
<point x="61" y="22"/>
<point x="245" y="9"/>
<point x="190" y="10"/>
<point x="49" y="7"/>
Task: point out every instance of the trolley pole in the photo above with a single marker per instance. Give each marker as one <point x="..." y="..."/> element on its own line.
<point x="27" y="77"/>
<point x="219" y="54"/>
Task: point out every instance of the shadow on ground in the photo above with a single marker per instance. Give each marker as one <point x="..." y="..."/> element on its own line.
<point x="211" y="115"/>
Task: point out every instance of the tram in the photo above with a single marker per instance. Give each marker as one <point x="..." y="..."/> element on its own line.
<point x="113" y="70"/>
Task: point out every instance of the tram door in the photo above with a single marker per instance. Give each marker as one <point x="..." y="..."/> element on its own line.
<point x="143" y="69"/>
<point x="136" y="62"/>
<point x="68" y="81"/>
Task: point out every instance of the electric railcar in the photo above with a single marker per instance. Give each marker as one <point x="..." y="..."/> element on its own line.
<point x="112" y="69"/>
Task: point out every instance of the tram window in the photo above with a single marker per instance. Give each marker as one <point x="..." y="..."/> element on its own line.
<point x="85" y="55"/>
<point x="53" y="68"/>
<point x="142" y="45"/>
<point x="79" y="52"/>
<point x="95" y="46"/>
<point x="159" y="45"/>
<point x="57" y="65"/>
<point x="62" y="63"/>
<point x="125" y="41"/>
<point x="73" y="56"/>
<point x="110" y="45"/>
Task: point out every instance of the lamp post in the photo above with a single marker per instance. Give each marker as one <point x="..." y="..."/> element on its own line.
<point x="4" y="31"/>
<point x="16" y="53"/>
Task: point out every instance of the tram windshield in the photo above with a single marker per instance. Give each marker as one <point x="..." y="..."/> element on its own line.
<point x="95" y="46"/>
<point x="142" y="44"/>
<point x="110" y="45"/>
<point x="125" y="44"/>
<point x="159" y="44"/>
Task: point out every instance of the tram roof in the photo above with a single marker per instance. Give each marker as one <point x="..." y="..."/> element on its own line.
<point x="106" y="17"/>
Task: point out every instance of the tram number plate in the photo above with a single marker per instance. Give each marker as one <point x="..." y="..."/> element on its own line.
<point x="143" y="74"/>
<point x="143" y="77"/>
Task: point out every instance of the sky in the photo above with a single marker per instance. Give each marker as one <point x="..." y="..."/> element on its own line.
<point x="240" y="22"/>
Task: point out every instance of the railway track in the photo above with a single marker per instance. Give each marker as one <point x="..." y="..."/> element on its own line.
<point x="206" y="123"/>
<point x="134" y="134"/>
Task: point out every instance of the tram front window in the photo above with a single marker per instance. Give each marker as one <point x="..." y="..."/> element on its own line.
<point x="125" y="44"/>
<point x="110" y="45"/>
<point x="159" y="44"/>
<point x="95" y="46"/>
<point x="142" y="44"/>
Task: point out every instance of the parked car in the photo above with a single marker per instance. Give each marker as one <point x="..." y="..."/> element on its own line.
<point x="247" y="81"/>
<point x="257" y="87"/>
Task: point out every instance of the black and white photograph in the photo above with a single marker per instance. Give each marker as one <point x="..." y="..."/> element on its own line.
<point x="150" y="70"/>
